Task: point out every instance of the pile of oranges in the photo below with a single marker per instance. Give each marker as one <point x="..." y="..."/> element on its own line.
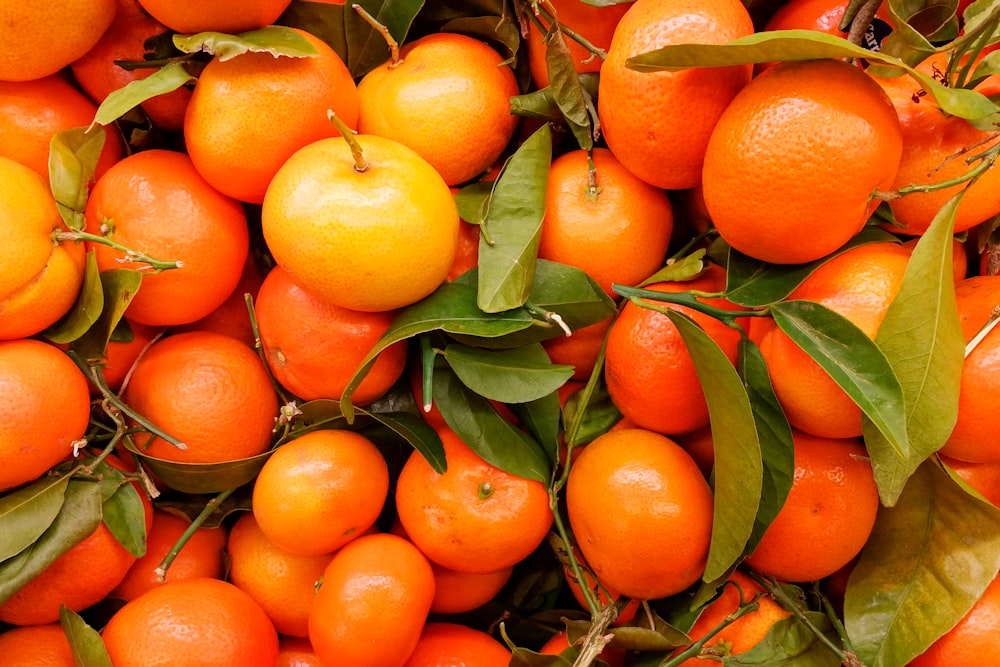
<point x="538" y="333"/>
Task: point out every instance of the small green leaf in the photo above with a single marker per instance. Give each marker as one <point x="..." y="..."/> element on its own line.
<point x="119" y="287"/>
<point x="542" y="105"/>
<point x="203" y="477"/>
<point x="418" y="433"/>
<point x="366" y="47"/>
<point x="686" y="268"/>
<point x="641" y="637"/>
<point x="598" y="416"/>
<point x="541" y="418"/>
<point x="472" y="200"/>
<point x="278" y="40"/>
<point x="73" y="156"/>
<point x="26" y="513"/>
<point x="87" y="309"/>
<point x="852" y="360"/>
<point x="517" y="375"/>
<point x="567" y="91"/>
<point x="84" y="641"/>
<point x="165" y="80"/>
<point x="125" y="516"/>
<point x="791" y="642"/>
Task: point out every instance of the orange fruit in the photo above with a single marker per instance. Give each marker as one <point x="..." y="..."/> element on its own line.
<point x="37" y="645"/>
<point x="268" y="106"/>
<point x="443" y="643"/>
<point x="155" y="202"/>
<point x="594" y="23"/>
<point x="603" y="594"/>
<point x="623" y="528"/>
<point x="196" y="622"/>
<point x="209" y="391"/>
<point x="474" y="517"/>
<point x="376" y="582"/>
<point x="933" y="145"/>
<point x="858" y="284"/>
<point x="376" y="240"/>
<point x="230" y="16"/>
<point x="657" y="124"/>
<point x="746" y="631"/>
<point x="447" y="98"/>
<point x="579" y="350"/>
<point x="319" y="491"/>
<point x="700" y="446"/>
<point x="960" y="258"/>
<point x="828" y="515"/>
<point x="972" y="640"/>
<point x="559" y="642"/>
<point x="650" y="375"/>
<point x="313" y="347"/>
<point x="983" y="477"/>
<point x="283" y="583"/>
<point x="40" y="275"/>
<point x="201" y="555"/>
<point x="593" y="231"/>
<point x="232" y="317"/>
<point x="66" y="28"/>
<point x="466" y="251"/>
<point x="798" y="155"/>
<point x="121" y="356"/>
<point x="44" y="409"/>
<point x="296" y="652"/>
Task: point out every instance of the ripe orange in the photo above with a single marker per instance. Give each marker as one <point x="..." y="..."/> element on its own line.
<point x="745" y="632"/>
<point x="40" y="276"/>
<point x="201" y="555"/>
<point x="828" y="515"/>
<point x="474" y="517"/>
<point x="296" y="652"/>
<point x="933" y="145"/>
<point x="657" y="124"/>
<point x="155" y="202"/>
<point x="376" y="240"/>
<point x="283" y="583"/>
<point x="121" y="356"/>
<point x="615" y="657"/>
<point x="798" y="155"/>
<point x="632" y="496"/>
<point x="313" y="346"/>
<point x="447" y="98"/>
<point x="209" y="391"/>
<point x="604" y="594"/>
<point x="197" y="623"/>
<point x="230" y="16"/>
<point x="66" y="28"/>
<point x="595" y="23"/>
<point x="442" y="643"/>
<point x="983" y="477"/>
<point x="594" y="231"/>
<point x="579" y="350"/>
<point x="36" y="645"/>
<point x="700" y="446"/>
<point x="376" y="582"/>
<point x="232" y="317"/>
<point x="858" y="284"/>
<point x="650" y="374"/>
<point x="270" y="107"/>
<point x="960" y="258"/>
<point x="320" y="490"/>
<point x="44" y="409"/>
<point x="973" y="640"/>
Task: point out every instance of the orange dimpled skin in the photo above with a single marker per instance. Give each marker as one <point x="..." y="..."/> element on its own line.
<point x="373" y="603"/>
<point x="229" y="16"/>
<point x="36" y="645"/>
<point x="641" y="512"/>
<point x="444" y="643"/>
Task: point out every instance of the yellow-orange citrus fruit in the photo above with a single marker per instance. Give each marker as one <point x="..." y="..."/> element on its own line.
<point x="828" y="515"/>
<point x="209" y="391"/>
<point x="972" y="641"/>
<point x="320" y="490"/>
<point x="313" y="347"/>
<point x="265" y="106"/>
<point x="624" y="526"/>
<point x="379" y="239"/>
<point x="155" y="202"/>
<point x="376" y="582"/>
<point x="296" y="652"/>
<point x="283" y="583"/>
<point x="474" y="517"/>
<point x="196" y="622"/>
<point x="229" y="16"/>
<point x="701" y="447"/>
<point x="447" y="98"/>
<point x="39" y="39"/>
<point x="232" y="317"/>
<point x="798" y="155"/>
<point x="442" y="643"/>
<point x="36" y="645"/>
<point x="120" y="355"/>
<point x="959" y="256"/>
<point x="40" y="275"/>
<point x="579" y="350"/>
<point x="44" y="409"/>
<point x="658" y="124"/>
<point x="858" y="284"/>
<point x="593" y="226"/>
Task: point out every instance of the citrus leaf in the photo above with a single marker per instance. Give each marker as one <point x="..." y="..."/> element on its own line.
<point x="517" y="375"/>
<point x="852" y="360"/>
<point x="118" y="287"/>
<point x="928" y="560"/>
<point x="567" y="91"/>
<point x="661" y="636"/>
<point x="790" y="642"/>
<point x="366" y="47"/>
<point x="84" y="641"/>
<point x="738" y="469"/>
<point x="322" y="19"/>
<point x="541" y="104"/>
<point x="26" y="512"/>
<point x="167" y="79"/>
<point x="922" y="340"/>
<point x="125" y="516"/>
<point x="278" y="40"/>
<point x="541" y="418"/>
<point x="522" y="657"/>
<point x="471" y="201"/>
<point x="686" y="268"/>
<point x="418" y="433"/>
<point x="202" y="477"/>
<point x="73" y="156"/>
<point x="508" y="249"/>
<point x="87" y="308"/>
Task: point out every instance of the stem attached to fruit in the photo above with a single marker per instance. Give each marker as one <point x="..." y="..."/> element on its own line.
<point x="641" y="297"/>
<point x="698" y="648"/>
<point x="361" y="163"/>
<point x="157" y="265"/>
<point x="394" y="59"/>
<point x="986" y="160"/>
<point x="541" y="11"/>
<point x="210" y="507"/>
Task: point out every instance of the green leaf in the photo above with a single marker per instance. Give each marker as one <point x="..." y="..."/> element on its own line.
<point x="852" y="359"/>
<point x="599" y="414"/>
<point x="541" y="104"/>
<point x="790" y="642"/>
<point x="541" y="417"/>
<point x="517" y="375"/>
<point x="84" y="641"/>
<point x="640" y="636"/>
<point x="928" y="560"/>
<point x="575" y="105"/>
<point x="323" y="19"/>
<point x="87" y="309"/>
<point x="119" y="287"/>
<point x="480" y="426"/>
<point x="686" y="268"/>
<point x="418" y="433"/>
<point x="73" y="156"/>
<point x="26" y="512"/>
<point x="472" y="200"/>
<point x="508" y="249"/>
<point x="125" y="516"/>
<point x="202" y="477"/>
<point x="738" y="466"/>
<point x="279" y="41"/>
<point x="366" y="47"/>
<point x="922" y="340"/>
<point x="165" y="80"/>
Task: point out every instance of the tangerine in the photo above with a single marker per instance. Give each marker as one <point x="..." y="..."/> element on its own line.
<point x="228" y="16"/>
<point x="37" y="645"/>
<point x="442" y="643"/>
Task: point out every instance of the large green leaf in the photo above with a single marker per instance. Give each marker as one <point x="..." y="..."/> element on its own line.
<point x="84" y="641"/>
<point x="26" y="512"/>
<point x="517" y="375"/>
<point x="852" y="359"/>
<point x="203" y="477"/>
<point x="928" y="559"/>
